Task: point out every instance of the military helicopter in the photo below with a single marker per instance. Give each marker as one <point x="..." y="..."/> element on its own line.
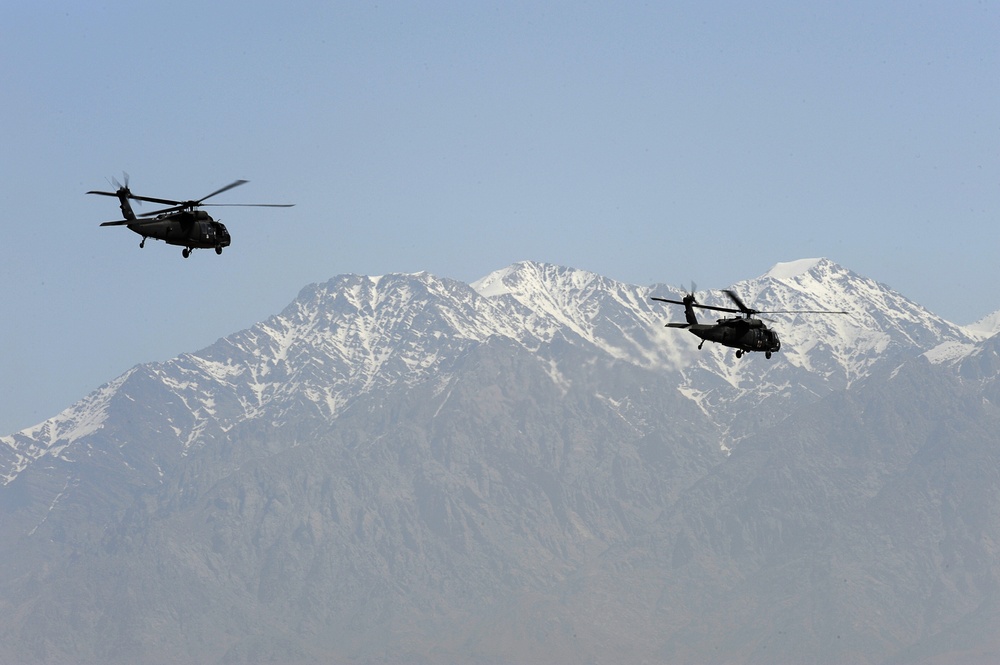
<point x="181" y="224"/>
<point x="743" y="333"/>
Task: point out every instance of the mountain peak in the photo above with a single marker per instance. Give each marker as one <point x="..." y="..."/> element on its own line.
<point x="516" y="276"/>
<point x="986" y="327"/>
<point x="792" y="269"/>
<point x="493" y="284"/>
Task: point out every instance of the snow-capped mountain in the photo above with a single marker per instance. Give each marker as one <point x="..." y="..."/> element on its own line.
<point x="529" y="468"/>
<point x="820" y="352"/>
<point x="356" y="334"/>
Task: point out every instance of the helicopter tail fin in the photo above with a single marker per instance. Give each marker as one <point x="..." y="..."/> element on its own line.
<point x="689" y="314"/>
<point x="123" y="194"/>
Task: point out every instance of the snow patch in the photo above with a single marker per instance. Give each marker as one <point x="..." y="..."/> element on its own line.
<point x="493" y="284"/>
<point x="696" y="396"/>
<point x="52" y="506"/>
<point x="949" y="352"/>
<point x="791" y="269"/>
<point x="985" y="327"/>
<point x="558" y="377"/>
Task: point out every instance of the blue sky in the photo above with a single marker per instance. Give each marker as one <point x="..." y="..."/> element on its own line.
<point x="650" y="142"/>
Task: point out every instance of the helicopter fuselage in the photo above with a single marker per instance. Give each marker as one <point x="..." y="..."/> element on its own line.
<point x="743" y="334"/>
<point x="190" y="229"/>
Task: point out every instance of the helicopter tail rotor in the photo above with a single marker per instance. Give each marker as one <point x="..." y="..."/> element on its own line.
<point x="690" y="302"/>
<point x="119" y="186"/>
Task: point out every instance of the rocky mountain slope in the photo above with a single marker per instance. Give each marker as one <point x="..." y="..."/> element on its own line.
<point x="530" y="468"/>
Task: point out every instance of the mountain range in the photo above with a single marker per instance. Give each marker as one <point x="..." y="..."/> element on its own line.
<point x="528" y="468"/>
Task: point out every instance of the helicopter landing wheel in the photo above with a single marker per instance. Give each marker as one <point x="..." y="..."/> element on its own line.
<point x="143" y="243"/>
<point x="767" y="355"/>
<point x="218" y="249"/>
<point x="739" y="353"/>
<point x="186" y="252"/>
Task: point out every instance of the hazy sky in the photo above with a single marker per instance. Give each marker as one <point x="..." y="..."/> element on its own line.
<point x="649" y="142"/>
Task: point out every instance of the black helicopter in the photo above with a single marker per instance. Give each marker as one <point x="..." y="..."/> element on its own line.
<point x="743" y="333"/>
<point x="181" y="224"/>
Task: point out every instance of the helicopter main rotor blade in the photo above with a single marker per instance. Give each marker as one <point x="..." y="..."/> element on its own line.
<point x="179" y="208"/>
<point x="132" y="196"/>
<point x="247" y="205"/>
<point x="185" y="204"/>
<point x="673" y="302"/>
<point x="118" y="222"/>
<point x="181" y="205"/>
<point x="747" y="310"/>
<point x="731" y="310"/>
<point x="800" y="311"/>
<point x="739" y="302"/>
<point x="219" y="191"/>
<point x="151" y="199"/>
<point x="694" y="304"/>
